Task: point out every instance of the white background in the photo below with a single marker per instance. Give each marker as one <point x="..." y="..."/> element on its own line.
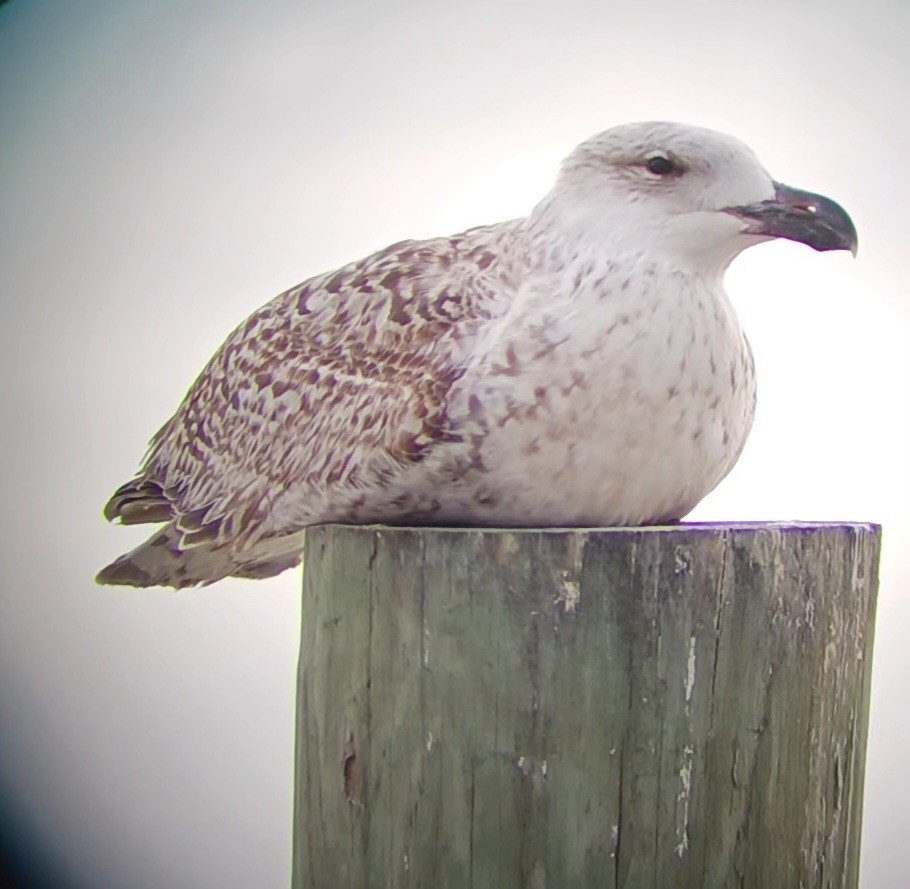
<point x="167" y="167"/>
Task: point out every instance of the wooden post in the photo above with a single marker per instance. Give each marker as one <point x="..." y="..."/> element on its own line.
<point x="649" y="708"/>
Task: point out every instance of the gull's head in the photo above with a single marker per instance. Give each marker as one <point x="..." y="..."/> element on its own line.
<point x="700" y="196"/>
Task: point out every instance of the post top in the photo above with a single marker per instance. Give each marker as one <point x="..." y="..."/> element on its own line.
<point x="708" y="528"/>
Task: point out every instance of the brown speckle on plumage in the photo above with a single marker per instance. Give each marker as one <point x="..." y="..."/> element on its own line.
<point x="539" y="371"/>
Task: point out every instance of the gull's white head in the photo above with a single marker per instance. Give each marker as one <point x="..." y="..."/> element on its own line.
<point x="694" y="195"/>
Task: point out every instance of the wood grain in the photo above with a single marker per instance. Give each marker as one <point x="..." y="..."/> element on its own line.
<point x="649" y="707"/>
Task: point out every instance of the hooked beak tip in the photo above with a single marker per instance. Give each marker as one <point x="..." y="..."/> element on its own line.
<point x="802" y="216"/>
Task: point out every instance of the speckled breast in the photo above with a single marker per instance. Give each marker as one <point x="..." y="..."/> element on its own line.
<point x="623" y="406"/>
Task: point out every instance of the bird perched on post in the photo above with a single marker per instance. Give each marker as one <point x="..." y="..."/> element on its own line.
<point x="580" y="366"/>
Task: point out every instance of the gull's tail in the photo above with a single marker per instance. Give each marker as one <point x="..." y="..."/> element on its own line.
<point x="161" y="561"/>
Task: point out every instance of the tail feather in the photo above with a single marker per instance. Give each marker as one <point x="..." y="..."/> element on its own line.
<point x="267" y="567"/>
<point x="161" y="561"/>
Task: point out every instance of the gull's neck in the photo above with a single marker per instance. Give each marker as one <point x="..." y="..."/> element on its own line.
<point x="563" y="232"/>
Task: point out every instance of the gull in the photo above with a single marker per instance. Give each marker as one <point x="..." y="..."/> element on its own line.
<point x="581" y="366"/>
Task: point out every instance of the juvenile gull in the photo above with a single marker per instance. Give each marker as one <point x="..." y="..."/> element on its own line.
<point x="580" y="366"/>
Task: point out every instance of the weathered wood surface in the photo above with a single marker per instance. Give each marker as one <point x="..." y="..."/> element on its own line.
<point x="655" y="708"/>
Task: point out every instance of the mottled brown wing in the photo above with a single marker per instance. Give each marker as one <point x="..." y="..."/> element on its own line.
<point x="327" y="387"/>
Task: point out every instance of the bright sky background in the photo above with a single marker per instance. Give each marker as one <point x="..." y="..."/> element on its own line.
<point x="166" y="167"/>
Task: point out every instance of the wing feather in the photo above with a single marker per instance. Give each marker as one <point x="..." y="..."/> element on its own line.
<point x="331" y="386"/>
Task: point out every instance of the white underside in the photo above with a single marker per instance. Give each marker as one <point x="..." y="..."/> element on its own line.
<point x="607" y="407"/>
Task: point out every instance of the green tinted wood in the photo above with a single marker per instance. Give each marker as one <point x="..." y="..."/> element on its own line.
<point x="638" y="708"/>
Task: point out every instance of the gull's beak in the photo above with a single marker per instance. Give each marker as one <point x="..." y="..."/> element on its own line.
<point x="800" y="216"/>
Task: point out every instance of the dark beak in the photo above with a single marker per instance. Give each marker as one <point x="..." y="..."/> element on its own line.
<point x="800" y="216"/>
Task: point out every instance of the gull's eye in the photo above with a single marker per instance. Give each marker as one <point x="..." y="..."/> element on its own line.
<point x="660" y="165"/>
